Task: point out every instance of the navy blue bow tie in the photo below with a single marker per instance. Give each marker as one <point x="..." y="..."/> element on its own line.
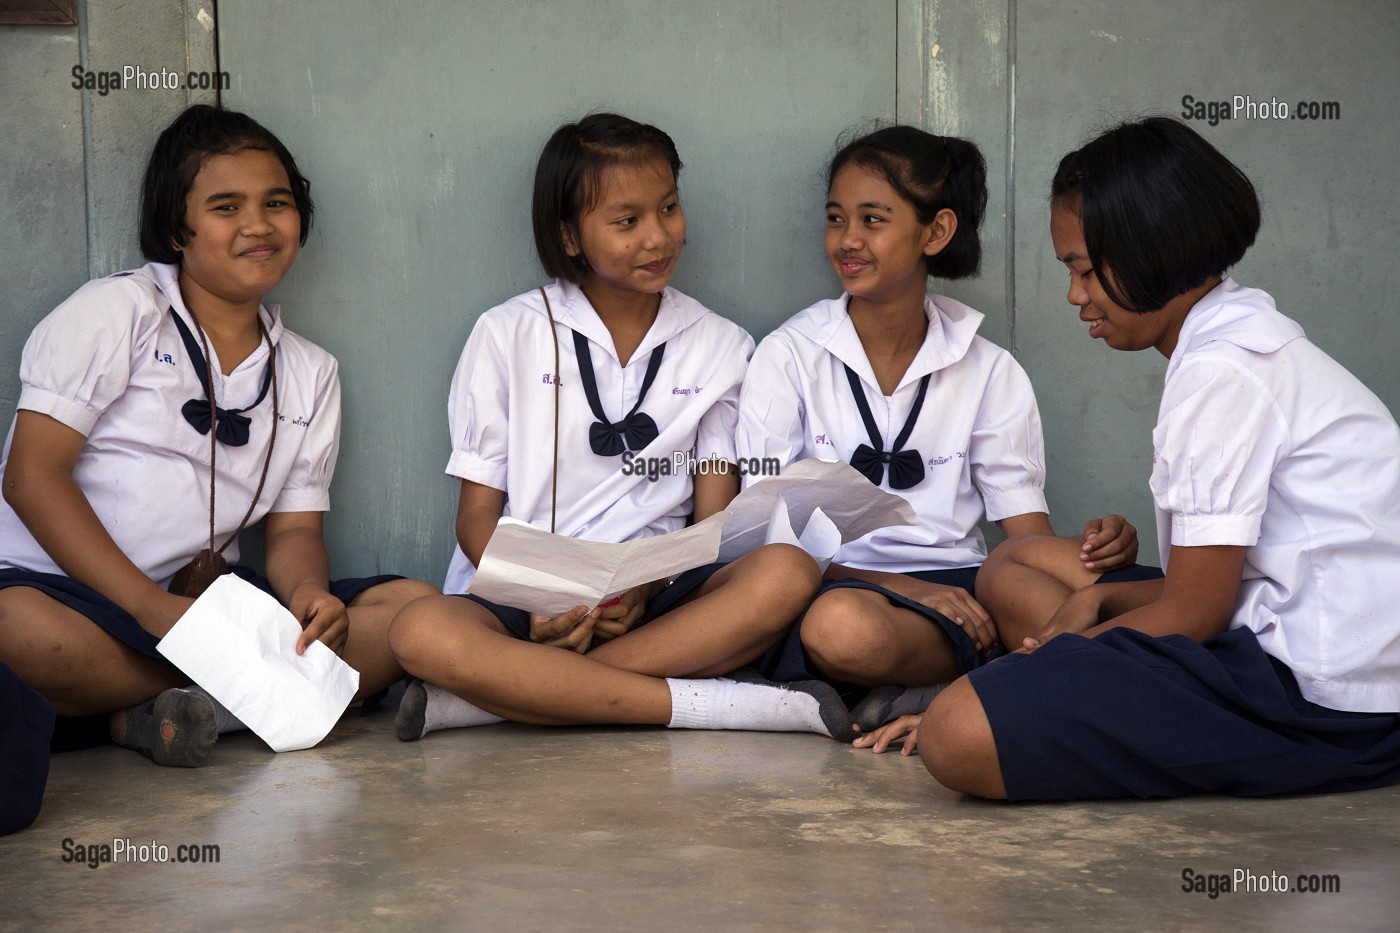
<point x="906" y="466"/>
<point x="232" y="430"/>
<point x="232" y="427"/>
<point x="633" y="432"/>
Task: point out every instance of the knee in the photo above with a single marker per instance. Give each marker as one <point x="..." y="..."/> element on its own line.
<point x="39" y="653"/>
<point x="787" y="571"/>
<point x="1018" y="551"/>
<point x="839" y="633"/>
<point x="793" y="567"/>
<point x="395" y="594"/>
<point x="416" y="630"/>
<point x="956" y="743"/>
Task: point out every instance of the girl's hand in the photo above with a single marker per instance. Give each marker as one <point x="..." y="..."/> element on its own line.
<point x="1109" y="543"/>
<point x="1079" y="613"/>
<point x="616" y="617"/>
<point x="572" y="630"/>
<point x="905" y="727"/>
<point x="322" y="617"/>
<point x="957" y="604"/>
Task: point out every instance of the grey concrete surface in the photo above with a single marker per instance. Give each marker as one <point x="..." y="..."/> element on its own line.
<point x="518" y="828"/>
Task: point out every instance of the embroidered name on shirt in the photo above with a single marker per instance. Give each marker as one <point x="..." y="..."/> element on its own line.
<point x="686" y="390"/>
<point x="946" y="458"/>
<point x="298" y="421"/>
<point x="549" y="379"/>
<point x="823" y="440"/>
<point x="163" y="357"/>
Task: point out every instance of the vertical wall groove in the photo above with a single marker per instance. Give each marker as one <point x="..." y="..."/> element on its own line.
<point x="1013" y="311"/>
<point x="89" y="162"/>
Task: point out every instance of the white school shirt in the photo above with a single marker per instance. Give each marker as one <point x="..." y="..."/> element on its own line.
<point x="109" y="363"/>
<point x="978" y="431"/>
<point x="1266" y="442"/>
<point x="501" y="414"/>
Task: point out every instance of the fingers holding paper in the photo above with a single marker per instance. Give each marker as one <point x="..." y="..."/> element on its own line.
<point x="572" y="630"/>
<point x="620" y="615"/>
<point x="322" y="617"/>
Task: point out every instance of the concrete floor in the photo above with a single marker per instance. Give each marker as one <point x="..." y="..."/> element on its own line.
<point x="516" y="828"/>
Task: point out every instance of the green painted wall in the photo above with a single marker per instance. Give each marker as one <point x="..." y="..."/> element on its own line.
<point x="1031" y="79"/>
<point x="419" y="130"/>
<point x="420" y="134"/>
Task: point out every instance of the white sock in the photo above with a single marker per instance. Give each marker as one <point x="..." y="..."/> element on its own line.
<point x="224" y="721"/>
<point x="727" y="704"/>
<point x="446" y="710"/>
<point x="426" y="708"/>
<point x="915" y="700"/>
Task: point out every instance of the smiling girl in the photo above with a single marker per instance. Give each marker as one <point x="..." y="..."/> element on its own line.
<point x="898" y="382"/>
<point x="111" y="462"/>
<point x="553" y="388"/>
<point x="1268" y="659"/>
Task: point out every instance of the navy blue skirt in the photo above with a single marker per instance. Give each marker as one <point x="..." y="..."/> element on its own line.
<point x="26" y="722"/>
<point x="121" y="625"/>
<point x="517" y="621"/>
<point x="1129" y="715"/>
<point x="787" y="661"/>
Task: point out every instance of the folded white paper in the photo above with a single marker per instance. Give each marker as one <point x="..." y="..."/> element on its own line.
<point x="528" y="568"/>
<point x="531" y="569"/>
<point x="239" y="643"/>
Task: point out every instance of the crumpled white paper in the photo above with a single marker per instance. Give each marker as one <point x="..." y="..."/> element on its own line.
<point x="529" y="568"/>
<point x="853" y="504"/>
<point x="821" y="538"/>
<point x="239" y="643"/>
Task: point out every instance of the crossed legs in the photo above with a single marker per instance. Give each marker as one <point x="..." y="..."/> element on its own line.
<point x="459" y="645"/>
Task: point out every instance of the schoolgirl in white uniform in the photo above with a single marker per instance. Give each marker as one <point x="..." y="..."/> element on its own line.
<point x="898" y="383"/>
<point x="1268" y="660"/>
<point x="108" y="464"/>
<point x="691" y="399"/>
<point x="560" y="395"/>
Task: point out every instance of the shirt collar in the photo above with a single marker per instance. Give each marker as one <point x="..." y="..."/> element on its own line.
<point x="1245" y="317"/>
<point x="572" y="308"/>
<point x="952" y="326"/>
<point x="167" y="279"/>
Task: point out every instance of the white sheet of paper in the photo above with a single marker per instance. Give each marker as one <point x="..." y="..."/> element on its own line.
<point x="528" y="568"/>
<point x="821" y="538"/>
<point x="531" y="569"/>
<point x="239" y="643"/>
<point x="849" y="501"/>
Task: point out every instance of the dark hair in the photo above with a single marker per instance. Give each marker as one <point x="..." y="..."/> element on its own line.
<point x="931" y="173"/>
<point x="179" y="153"/>
<point x="1163" y="211"/>
<point x="569" y="174"/>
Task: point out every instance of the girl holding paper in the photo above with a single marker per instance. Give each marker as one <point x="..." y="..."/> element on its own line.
<point x="115" y="452"/>
<point x="553" y="387"/>
<point x="898" y="383"/>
